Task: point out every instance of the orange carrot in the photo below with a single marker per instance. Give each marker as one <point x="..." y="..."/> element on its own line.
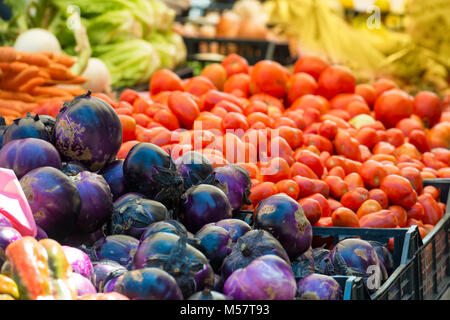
<point x="74" y="80"/>
<point x="51" y="91"/>
<point x="32" y="83"/>
<point x="11" y="95"/>
<point x="35" y="58"/>
<point x="7" y="54"/>
<point x="44" y="74"/>
<point x="18" y="66"/>
<point x="59" y="72"/>
<point x="49" y="54"/>
<point x="64" y="59"/>
<point x="23" y="77"/>
<point x="75" y="91"/>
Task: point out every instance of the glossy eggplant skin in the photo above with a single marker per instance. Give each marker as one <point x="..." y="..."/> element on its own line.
<point x="54" y="200"/>
<point x="319" y="287"/>
<point x="26" y="127"/>
<point x="119" y="248"/>
<point x="88" y="130"/>
<point x="150" y="171"/>
<point x="284" y="218"/>
<point x="96" y="201"/>
<point x="188" y="265"/>
<point x="105" y="270"/>
<point x="216" y="244"/>
<point x="204" y="204"/>
<point x="194" y="168"/>
<point x="113" y="174"/>
<point x="15" y="155"/>
<point x="148" y="284"/>
<point x="266" y="278"/>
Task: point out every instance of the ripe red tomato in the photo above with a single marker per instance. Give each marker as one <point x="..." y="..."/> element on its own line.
<point x="311" y="65"/>
<point x="393" y="106"/>
<point x="428" y="107"/>
<point x="235" y="64"/>
<point x="335" y="80"/>
<point x="300" y="84"/>
<point x="269" y="77"/>
<point x="184" y="108"/>
<point x="165" y="80"/>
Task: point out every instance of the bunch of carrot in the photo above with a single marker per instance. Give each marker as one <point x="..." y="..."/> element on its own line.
<point x="29" y="79"/>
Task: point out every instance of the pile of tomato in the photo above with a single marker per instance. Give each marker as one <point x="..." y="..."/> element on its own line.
<point x="352" y="155"/>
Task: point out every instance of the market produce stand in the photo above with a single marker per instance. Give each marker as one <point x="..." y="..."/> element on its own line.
<point x="231" y="157"/>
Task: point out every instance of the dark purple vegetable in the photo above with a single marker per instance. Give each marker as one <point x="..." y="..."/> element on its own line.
<point x="194" y="168"/>
<point x="208" y="294"/>
<point x="133" y="215"/>
<point x="80" y="261"/>
<point x="218" y="283"/>
<point x="113" y="174"/>
<point x="4" y="222"/>
<point x="216" y="244"/>
<point x="26" y="127"/>
<point x="266" y="278"/>
<point x="54" y="200"/>
<point x="110" y="286"/>
<point x="105" y="270"/>
<point x="236" y="228"/>
<point x="355" y="257"/>
<point x="237" y="183"/>
<point x="149" y="284"/>
<point x="7" y="235"/>
<point x="88" y="130"/>
<point x="203" y="204"/>
<point x="149" y="170"/>
<point x="253" y="244"/>
<point x="385" y="257"/>
<point x="49" y="123"/>
<point x="172" y="253"/>
<point x="319" y="287"/>
<point x="120" y="248"/>
<point x="79" y="239"/>
<point x="24" y="155"/>
<point x="303" y="265"/>
<point x="40" y="234"/>
<point x="72" y="168"/>
<point x="96" y="201"/>
<point x="3" y="127"/>
<point x="83" y="284"/>
<point x="170" y="226"/>
<point x="284" y="218"/>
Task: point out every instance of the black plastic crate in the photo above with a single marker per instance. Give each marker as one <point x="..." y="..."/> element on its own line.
<point x="404" y="282"/>
<point x="199" y="49"/>
<point x="434" y="255"/>
<point x="353" y="288"/>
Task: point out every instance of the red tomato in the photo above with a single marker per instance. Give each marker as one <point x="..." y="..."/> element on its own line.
<point x="335" y="80"/>
<point x="299" y="85"/>
<point x="344" y="217"/>
<point x="393" y="106"/>
<point x="289" y="187"/>
<point x="311" y="208"/>
<point x="269" y="77"/>
<point x="238" y="85"/>
<point x="262" y="191"/>
<point x="184" y="108"/>
<point x="235" y="64"/>
<point x="125" y="148"/>
<point x="128" y="127"/>
<point x="165" y="80"/>
<point x="311" y="65"/>
<point x="428" y="107"/>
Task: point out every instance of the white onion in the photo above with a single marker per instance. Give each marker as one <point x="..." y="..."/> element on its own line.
<point x="97" y="75"/>
<point x="35" y="40"/>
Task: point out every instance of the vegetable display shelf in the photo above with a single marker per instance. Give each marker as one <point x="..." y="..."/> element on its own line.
<point x="404" y="282"/>
<point x="434" y="255"/>
<point x="251" y="49"/>
<point x="352" y="287"/>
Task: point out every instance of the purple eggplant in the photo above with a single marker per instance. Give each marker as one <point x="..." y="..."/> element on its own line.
<point x="236" y="228"/>
<point x="194" y="168"/>
<point x="385" y="258"/>
<point x="208" y="294"/>
<point x="149" y="284"/>
<point x="113" y="174"/>
<point x="80" y="261"/>
<point x="120" y="248"/>
<point x="96" y="201"/>
<point x="24" y="155"/>
<point x="72" y="168"/>
<point x="319" y="287"/>
<point x="26" y="127"/>
<point x="170" y="226"/>
<point x="251" y="245"/>
<point x="149" y="170"/>
<point x="133" y="214"/>
<point x="284" y="218"/>
<point x="356" y="257"/>
<point x="266" y="278"/>
<point x="88" y="130"/>
<point x="54" y="200"/>
<point x="188" y="265"/>
<point x="7" y="235"/>
<point x="40" y="234"/>
<point x="204" y="204"/>
<point x="104" y="271"/>
<point x="79" y="239"/>
<point x="83" y="284"/>
<point x="237" y="183"/>
<point x="215" y="243"/>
